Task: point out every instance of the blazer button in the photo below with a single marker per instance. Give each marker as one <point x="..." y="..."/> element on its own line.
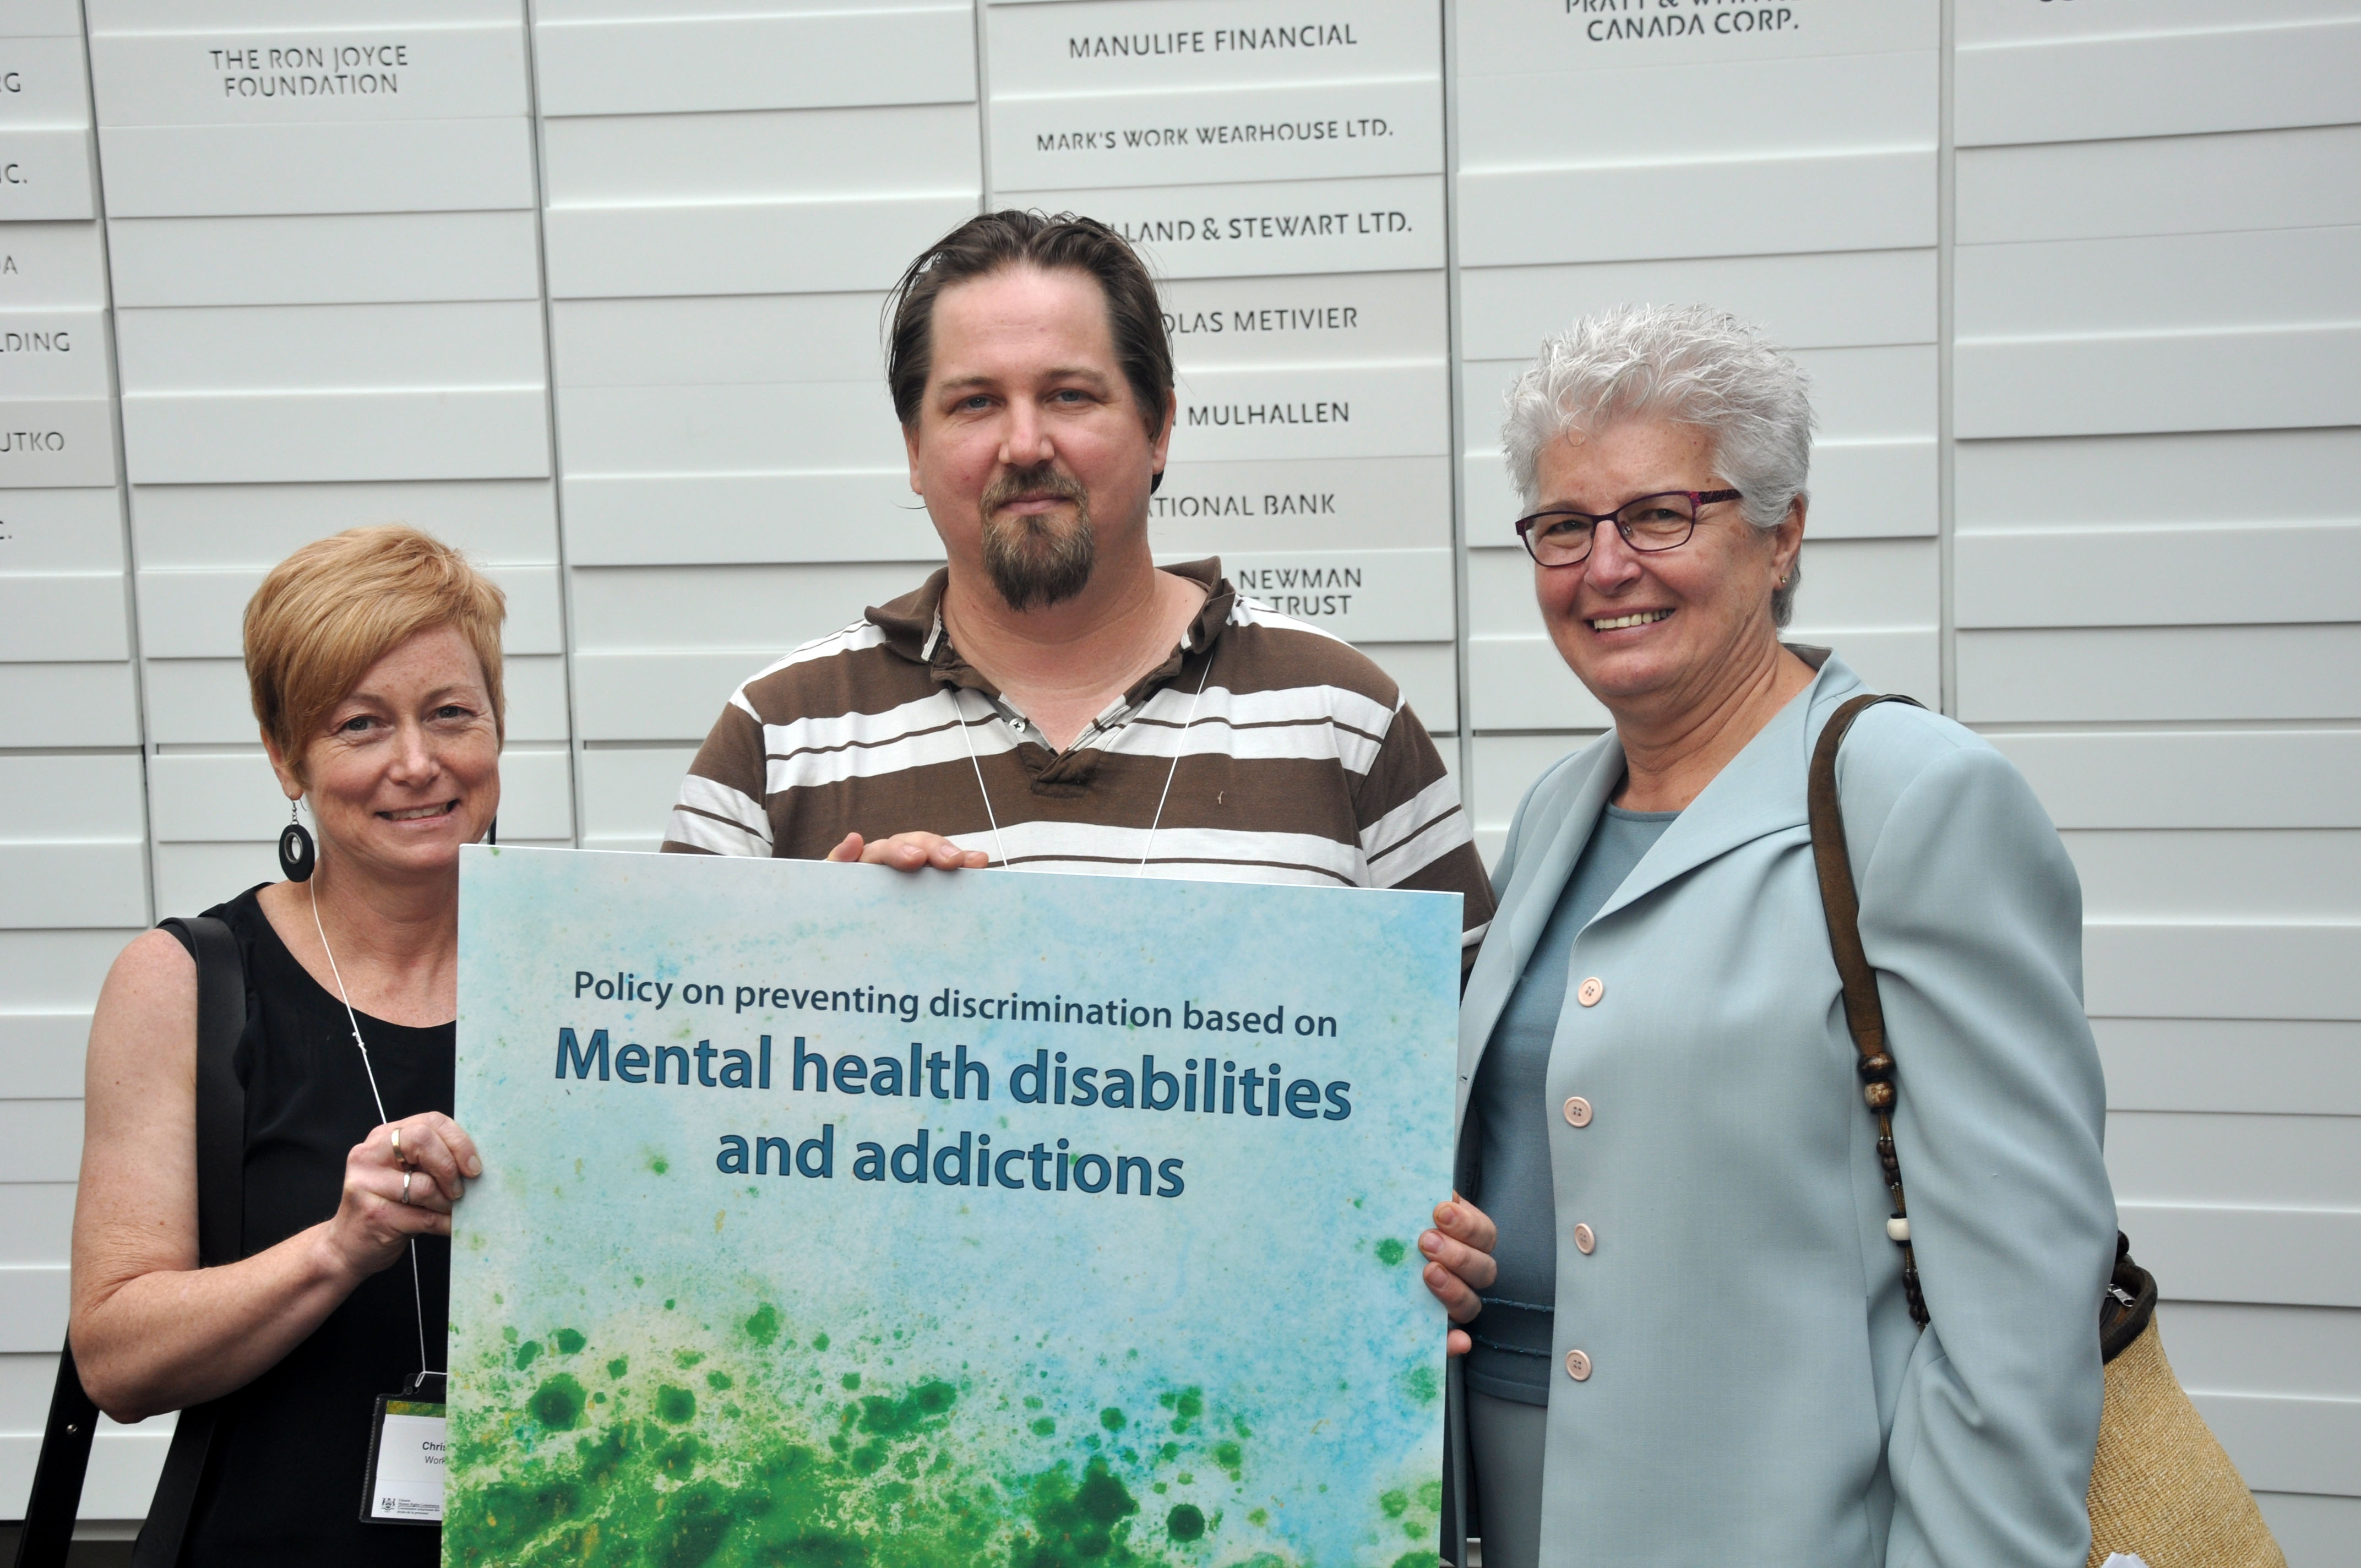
<point x="1592" y="990"/>
<point x="1578" y="1112"/>
<point x="1586" y="1242"/>
<point x="1577" y="1367"/>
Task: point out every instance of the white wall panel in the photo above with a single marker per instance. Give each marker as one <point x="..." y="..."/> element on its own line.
<point x="2183" y="576"/>
<point x="41" y="1053"/>
<point x="1219" y="231"/>
<point x="2229" y="1348"/>
<point x="672" y="695"/>
<point x="60" y="530"/>
<point x="268" y="348"/>
<point x="2172" y="81"/>
<point x="46" y="354"/>
<point x="757" y="428"/>
<point x="2151" y="673"/>
<point x="2244" y="180"/>
<point x="56" y="971"/>
<point x="62" y="616"/>
<point x="1209" y="134"/>
<point x="69" y="705"/>
<point x="498" y="522"/>
<point x="306" y="437"/>
<point x="1828" y="300"/>
<point x="2257" y="379"/>
<point x="47" y="175"/>
<point x="332" y="258"/>
<point x="1583" y="37"/>
<point x="1347" y="411"/>
<point x="1132" y="47"/>
<point x="1836" y="201"/>
<point x="2207" y="1064"/>
<point x="716" y="340"/>
<point x="653" y="520"/>
<point x="162" y="171"/>
<point x="2160" y="283"/>
<point x="2263" y="1162"/>
<point x="1336" y="319"/>
<point x="1370" y="503"/>
<point x="1362" y="595"/>
<point x="42" y="1216"/>
<point x="2213" y="873"/>
<point x="2311" y="1529"/>
<point x="56" y="441"/>
<point x="786" y="155"/>
<point x="53" y="264"/>
<point x="774" y="609"/>
<point x="2152" y="969"/>
<point x="649" y="65"/>
<point x="742" y="247"/>
<point x="2270" y="777"/>
<point x="626" y="792"/>
<point x="409" y="70"/>
<point x="2302" y="1258"/>
<point x="80" y="883"/>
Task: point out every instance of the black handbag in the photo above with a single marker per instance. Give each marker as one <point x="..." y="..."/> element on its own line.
<point x="58" y="1476"/>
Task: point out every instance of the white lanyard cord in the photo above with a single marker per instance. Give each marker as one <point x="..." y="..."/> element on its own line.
<point x="959" y="712"/>
<point x="992" y="816"/>
<point x="1179" y="744"/>
<point x="417" y="1294"/>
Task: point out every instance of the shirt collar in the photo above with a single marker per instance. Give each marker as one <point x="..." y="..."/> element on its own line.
<point x="913" y="625"/>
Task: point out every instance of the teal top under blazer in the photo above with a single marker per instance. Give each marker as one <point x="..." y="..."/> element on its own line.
<point x="1758" y="1394"/>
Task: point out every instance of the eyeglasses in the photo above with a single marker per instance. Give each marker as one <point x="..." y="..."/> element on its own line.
<point x="1661" y="521"/>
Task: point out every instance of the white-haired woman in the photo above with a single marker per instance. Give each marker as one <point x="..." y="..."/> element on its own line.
<point x="1701" y="1347"/>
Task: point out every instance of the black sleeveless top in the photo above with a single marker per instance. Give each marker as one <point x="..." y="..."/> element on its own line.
<point x="284" y="1479"/>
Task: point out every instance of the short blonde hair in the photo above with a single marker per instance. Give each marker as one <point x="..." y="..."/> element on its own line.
<point x="338" y="605"/>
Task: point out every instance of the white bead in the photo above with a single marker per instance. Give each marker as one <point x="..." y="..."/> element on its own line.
<point x="1897" y="1230"/>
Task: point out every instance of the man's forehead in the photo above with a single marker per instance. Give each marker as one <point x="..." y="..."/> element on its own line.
<point x="1024" y="311"/>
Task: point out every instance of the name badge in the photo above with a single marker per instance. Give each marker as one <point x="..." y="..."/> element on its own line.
<point x="406" y="1463"/>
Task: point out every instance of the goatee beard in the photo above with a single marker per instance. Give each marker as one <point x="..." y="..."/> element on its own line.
<point x="1037" y="561"/>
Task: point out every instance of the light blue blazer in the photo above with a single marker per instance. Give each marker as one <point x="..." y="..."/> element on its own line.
<point x="1757" y="1393"/>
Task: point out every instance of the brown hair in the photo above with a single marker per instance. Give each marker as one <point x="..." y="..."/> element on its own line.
<point x="994" y="241"/>
<point x="338" y="605"/>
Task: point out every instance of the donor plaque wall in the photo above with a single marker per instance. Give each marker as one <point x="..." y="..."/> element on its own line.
<point x="592" y="287"/>
<point x="1283" y="169"/>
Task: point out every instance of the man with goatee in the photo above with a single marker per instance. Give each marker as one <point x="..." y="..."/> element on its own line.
<point x="1051" y="699"/>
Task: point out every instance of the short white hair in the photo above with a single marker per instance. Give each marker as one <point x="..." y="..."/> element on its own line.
<point x="1687" y="363"/>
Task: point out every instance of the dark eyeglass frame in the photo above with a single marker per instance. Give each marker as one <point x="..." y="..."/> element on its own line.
<point x="1698" y="501"/>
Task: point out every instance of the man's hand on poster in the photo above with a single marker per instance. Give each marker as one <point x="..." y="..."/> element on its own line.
<point x="908" y="852"/>
<point x="1459" y="1263"/>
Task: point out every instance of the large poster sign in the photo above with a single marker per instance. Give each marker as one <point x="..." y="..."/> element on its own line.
<point x="833" y="1215"/>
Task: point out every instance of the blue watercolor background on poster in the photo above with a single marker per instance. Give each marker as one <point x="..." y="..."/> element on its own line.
<point x="741" y="1283"/>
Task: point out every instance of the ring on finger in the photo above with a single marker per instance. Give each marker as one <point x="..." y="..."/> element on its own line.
<point x="397" y="1143"/>
<point x="406" y="1177"/>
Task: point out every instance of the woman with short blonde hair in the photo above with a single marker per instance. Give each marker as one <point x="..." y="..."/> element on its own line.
<point x="374" y="661"/>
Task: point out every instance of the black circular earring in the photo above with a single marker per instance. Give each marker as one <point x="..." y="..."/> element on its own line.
<point x="297" y="855"/>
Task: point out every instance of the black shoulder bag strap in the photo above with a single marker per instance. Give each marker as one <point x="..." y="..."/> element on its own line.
<point x="56" y="1496"/>
<point x="2129" y="1300"/>
<point x="220" y="1206"/>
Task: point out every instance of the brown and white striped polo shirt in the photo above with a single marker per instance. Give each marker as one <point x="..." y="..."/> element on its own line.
<point x="1298" y="760"/>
